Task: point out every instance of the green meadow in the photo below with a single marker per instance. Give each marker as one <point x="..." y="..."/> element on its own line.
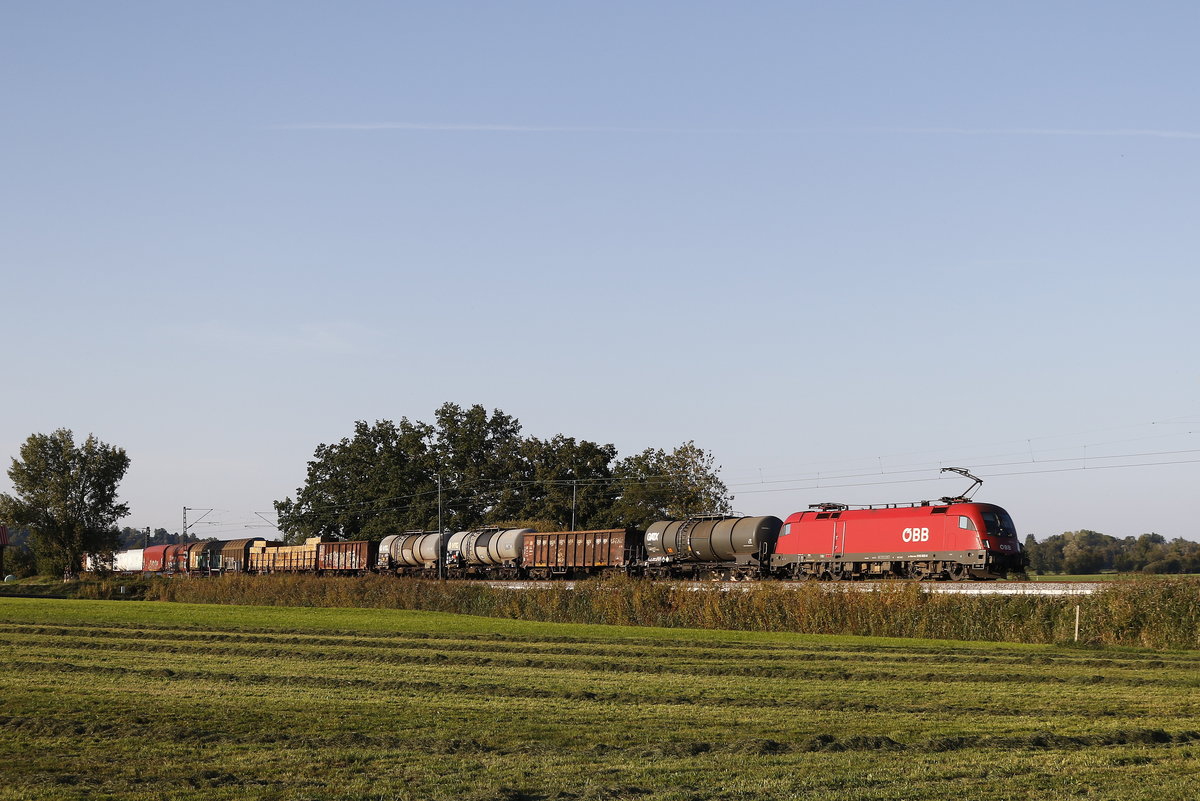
<point x="145" y="700"/>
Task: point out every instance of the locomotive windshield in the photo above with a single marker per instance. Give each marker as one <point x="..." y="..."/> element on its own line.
<point x="998" y="523"/>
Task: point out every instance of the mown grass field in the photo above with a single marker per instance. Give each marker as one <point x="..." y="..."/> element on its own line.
<point x="139" y="700"/>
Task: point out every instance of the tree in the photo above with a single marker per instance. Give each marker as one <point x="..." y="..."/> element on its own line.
<point x="66" y="495"/>
<point x="569" y="481"/>
<point x="384" y="479"/>
<point x="379" y="481"/>
<point x="656" y="485"/>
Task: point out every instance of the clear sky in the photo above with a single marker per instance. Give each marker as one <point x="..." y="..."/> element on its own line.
<point x="835" y="243"/>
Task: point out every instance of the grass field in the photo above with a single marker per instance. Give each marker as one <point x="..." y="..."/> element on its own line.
<point x="133" y="700"/>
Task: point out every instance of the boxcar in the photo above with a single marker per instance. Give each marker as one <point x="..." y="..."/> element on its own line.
<point x="235" y="554"/>
<point x="175" y="558"/>
<point x="205" y="557"/>
<point x="153" y="558"/>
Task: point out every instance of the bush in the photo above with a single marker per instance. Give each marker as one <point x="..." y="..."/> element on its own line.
<point x="1155" y="613"/>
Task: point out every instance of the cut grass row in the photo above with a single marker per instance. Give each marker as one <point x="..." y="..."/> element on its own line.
<point x="148" y="701"/>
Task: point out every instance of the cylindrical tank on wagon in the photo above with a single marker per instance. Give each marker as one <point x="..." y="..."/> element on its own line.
<point x="489" y="546"/>
<point x="711" y="539"/>
<point x="413" y="549"/>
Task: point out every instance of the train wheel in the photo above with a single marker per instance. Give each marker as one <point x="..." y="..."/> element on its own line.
<point x="959" y="573"/>
<point x="918" y="572"/>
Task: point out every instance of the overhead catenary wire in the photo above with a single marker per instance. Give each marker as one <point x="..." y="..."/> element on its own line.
<point x="827" y="479"/>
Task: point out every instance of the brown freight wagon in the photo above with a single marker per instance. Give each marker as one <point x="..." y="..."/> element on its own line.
<point x="581" y="553"/>
<point x="205" y="557"/>
<point x="284" y="558"/>
<point x="235" y="554"/>
<point x="356" y="556"/>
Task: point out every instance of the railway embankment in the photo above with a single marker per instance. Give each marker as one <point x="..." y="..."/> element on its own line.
<point x="1160" y="613"/>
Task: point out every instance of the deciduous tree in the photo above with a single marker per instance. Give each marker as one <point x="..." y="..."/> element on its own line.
<point x="657" y="485"/>
<point x="66" y="495"/>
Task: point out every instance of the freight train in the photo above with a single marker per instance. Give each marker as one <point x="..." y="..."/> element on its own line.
<point x="953" y="539"/>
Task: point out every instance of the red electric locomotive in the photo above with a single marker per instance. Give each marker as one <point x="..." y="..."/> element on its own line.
<point x="955" y="538"/>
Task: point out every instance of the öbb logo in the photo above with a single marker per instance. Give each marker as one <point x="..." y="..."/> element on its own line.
<point x="915" y="535"/>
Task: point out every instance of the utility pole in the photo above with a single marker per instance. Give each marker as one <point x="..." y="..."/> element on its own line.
<point x="441" y="534"/>
<point x="574" y="484"/>
<point x="184" y="533"/>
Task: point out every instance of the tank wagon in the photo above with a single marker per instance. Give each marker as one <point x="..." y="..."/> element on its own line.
<point x="711" y="547"/>
<point x="413" y="553"/>
<point x="492" y="552"/>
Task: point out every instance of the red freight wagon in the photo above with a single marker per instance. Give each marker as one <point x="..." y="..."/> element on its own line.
<point x="954" y="540"/>
<point x="346" y="557"/>
<point x="175" y="558"/>
<point x="580" y="552"/>
<point x="154" y="558"/>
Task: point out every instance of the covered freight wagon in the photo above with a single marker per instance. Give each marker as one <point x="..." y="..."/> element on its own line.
<point x="175" y="558"/>
<point x="205" y="557"/>
<point x="154" y="559"/>
<point x="235" y="554"/>
<point x="117" y="562"/>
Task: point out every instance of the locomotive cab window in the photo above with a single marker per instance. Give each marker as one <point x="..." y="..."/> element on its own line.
<point x="999" y="524"/>
<point x="967" y="523"/>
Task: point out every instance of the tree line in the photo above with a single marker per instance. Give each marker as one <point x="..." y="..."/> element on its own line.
<point x="467" y="468"/>
<point x="1085" y="552"/>
<point x="471" y="468"/>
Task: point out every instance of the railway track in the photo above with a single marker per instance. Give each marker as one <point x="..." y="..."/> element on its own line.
<point x="1063" y="588"/>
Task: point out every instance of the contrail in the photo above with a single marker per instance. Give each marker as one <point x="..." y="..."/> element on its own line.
<point x="1144" y="133"/>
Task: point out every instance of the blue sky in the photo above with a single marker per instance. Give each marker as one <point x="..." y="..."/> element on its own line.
<point x="860" y="239"/>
